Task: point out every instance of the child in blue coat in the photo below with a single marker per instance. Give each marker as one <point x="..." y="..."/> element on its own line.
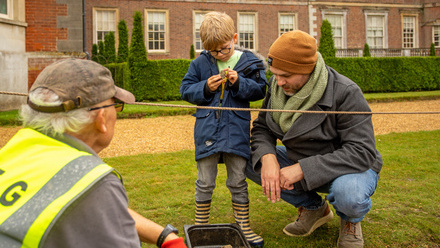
<point x="223" y="76"/>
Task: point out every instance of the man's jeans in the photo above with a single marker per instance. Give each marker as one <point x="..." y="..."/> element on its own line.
<point x="349" y="194"/>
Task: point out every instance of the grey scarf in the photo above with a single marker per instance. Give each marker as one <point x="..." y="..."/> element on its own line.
<point x="305" y="98"/>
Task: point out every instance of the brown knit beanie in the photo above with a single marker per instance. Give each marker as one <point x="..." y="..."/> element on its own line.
<point x="294" y="52"/>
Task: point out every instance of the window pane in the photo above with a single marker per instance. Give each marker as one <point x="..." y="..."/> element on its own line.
<point x="408" y="31"/>
<point x="105" y="23"/>
<point x="156" y="22"/>
<point x="247" y="29"/>
<point x="436" y="36"/>
<point x="198" y="45"/>
<point x="4" y="7"/>
<point x="375" y="31"/>
<point x="336" y="21"/>
<point x="101" y="35"/>
<point x="198" y="19"/>
<point x="287" y="23"/>
<point x="338" y="43"/>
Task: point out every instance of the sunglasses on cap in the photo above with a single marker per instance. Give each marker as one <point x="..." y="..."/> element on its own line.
<point x="119" y="106"/>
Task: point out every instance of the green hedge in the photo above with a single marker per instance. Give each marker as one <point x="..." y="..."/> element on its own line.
<point x="159" y="80"/>
<point x="117" y="71"/>
<point x="396" y="74"/>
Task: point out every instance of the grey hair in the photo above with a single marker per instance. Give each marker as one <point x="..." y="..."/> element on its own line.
<point x="53" y="124"/>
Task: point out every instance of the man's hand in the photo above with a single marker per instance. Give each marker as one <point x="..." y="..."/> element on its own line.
<point x="290" y="175"/>
<point x="214" y="82"/>
<point x="270" y="177"/>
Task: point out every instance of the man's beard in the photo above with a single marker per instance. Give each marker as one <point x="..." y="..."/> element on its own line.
<point x="288" y="94"/>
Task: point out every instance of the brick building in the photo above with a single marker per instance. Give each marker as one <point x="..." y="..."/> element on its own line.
<point x="55" y="31"/>
<point x="35" y="33"/>
<point x="171" y="27"/>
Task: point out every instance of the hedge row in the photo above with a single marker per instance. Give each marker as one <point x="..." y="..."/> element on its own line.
<point x="396" y="74"/>
<point x="159" y="80"/>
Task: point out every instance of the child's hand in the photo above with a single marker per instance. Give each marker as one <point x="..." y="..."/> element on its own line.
<point x="214" y="82"/>
<point x="231" y="75"/>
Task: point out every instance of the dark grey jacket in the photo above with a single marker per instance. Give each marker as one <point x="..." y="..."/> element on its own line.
<point x="325" y="145"/>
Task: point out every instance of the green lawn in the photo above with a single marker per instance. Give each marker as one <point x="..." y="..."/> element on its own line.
<point x="406" y="210"/>
<point x="406" y="205"/>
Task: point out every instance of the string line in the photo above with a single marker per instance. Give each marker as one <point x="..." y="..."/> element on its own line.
<point x="264" y="110"/>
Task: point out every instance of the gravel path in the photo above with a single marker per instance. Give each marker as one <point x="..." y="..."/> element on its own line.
<point x="174" y="133"/>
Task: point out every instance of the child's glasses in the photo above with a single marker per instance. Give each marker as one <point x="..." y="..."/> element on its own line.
<point x="223" y="51"/>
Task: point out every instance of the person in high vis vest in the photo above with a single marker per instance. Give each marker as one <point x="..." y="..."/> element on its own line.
<point x="55" y="191"/>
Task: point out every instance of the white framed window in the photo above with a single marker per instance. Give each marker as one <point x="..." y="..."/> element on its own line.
<point x="105" y="21"/>
<point x="157" y="30"/>
<point x="286" y="22"/>
<point x="198" y="17"/>
<point x="339" y="28"/>
<point x="409" y="31"/>
<point x="5" y="8"/>
<point x="376" y="30"/>
<point x="436" y="36"/>
<point x="247" y="30"/>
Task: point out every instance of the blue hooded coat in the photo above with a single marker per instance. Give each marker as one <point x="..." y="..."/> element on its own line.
<point x="223" y="131"/>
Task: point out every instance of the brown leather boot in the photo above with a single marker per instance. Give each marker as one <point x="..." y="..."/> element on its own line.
<point x="350" y="235"/>
<point x="308" y="221"/>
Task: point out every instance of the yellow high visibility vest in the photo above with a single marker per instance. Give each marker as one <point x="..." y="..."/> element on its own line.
<point x="39" y="178"/>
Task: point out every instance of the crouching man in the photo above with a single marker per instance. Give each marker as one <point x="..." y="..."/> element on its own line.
<point x="328" y="153"/>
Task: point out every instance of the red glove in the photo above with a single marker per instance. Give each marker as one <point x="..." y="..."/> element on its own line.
<point x="174" y="243"/>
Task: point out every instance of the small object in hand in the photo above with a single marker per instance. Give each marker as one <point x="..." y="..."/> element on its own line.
<point x="223" y="74"/>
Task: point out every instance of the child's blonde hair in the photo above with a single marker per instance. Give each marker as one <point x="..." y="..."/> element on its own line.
<point x="216" y="29"/>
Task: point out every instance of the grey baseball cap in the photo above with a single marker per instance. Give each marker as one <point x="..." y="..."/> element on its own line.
<point x="78" y="83"/>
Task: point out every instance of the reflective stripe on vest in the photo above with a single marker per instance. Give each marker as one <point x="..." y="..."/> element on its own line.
<point x="52" y="175"/>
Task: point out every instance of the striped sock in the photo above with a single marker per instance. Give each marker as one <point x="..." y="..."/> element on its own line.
<point x="241" y="213"/>
<point x="202" y="212"/>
